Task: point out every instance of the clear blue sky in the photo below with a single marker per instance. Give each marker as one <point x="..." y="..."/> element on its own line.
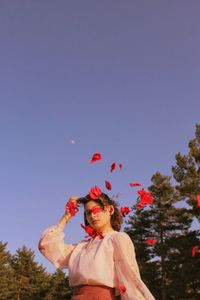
<point x="118" y="77"/>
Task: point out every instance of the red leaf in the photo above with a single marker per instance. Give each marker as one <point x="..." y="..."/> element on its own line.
<point x="122" y="288"/>
<point x="151" y="241"/>
<point x="96" y="156"/>
<point x="198" y="200"/>
<point x="125" y="210"/>
<point x="112" y="167"/>
<point x="195" y="249"/>
<point x="120" y="167"/>
<point x="108" y="185"/>
<point x="135" y="184"/>
<point x="95" y="192"/>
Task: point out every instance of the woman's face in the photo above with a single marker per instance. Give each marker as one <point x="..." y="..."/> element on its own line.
<point x="99" y="217"/>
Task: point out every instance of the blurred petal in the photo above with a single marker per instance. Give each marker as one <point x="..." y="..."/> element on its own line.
<point x="108" y="185"/>
<point x="112" y="167"/>
<point x="96" y="156"/>
<point x="135" y="184"/>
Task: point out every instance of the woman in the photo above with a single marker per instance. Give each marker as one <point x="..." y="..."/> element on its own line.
<point x="103" y="266"/>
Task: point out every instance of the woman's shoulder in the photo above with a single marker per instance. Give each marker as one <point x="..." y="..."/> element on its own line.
<point x="120" y="236"/>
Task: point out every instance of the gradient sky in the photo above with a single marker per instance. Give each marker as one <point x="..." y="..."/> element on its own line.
<point x="118" y="77"/>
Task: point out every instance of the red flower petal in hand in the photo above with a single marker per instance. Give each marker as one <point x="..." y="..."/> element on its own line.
<point x="112" y="167"/>
<point x="72" y="208"/>
<point x="108" y="185"/>
<point x="120" y="167"/>
<point x="195" y="249"/>
<point x="198" y="200"/>
<point x="151" y="241"/>
<point x="95" y="192"/>
<point x="96" y="156"/>
<point x="132" y="184"/>
<point x="125" y="210"/>
<point x="121" y="288"/>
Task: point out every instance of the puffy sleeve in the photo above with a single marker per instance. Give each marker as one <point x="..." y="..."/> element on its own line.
<point x="130" y="285"/>
<point x="52" y="246"/>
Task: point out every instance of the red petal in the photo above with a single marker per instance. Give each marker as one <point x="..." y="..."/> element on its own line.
<point x="112" y="167"/>
<point x="92" y="232"/>
<point x="145" y="197"/>
<point x="135" y="184"/>
<point x="95" y="192"/>
<point x="198" y="200"/>
<point x="125" y="210"/>
<point x="96" y="210"/>
<point x="151" y="241"/>
<point x="195" y="249"/>
<point x="108" y="185"/>
<point x="120" y="167"/>
<point x="72" y="208"/>
<point x="122" y="288"/>
<point x="96" y="156"/>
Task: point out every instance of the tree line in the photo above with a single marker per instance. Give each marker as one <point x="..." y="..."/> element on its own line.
<point x="167" y="245"/>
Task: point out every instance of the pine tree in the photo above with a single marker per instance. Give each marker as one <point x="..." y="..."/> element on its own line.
<point x="166" y="223"/>
<point x="32" y="280"/>
<point x="60" y="289"/>
<point x="187" y="173"/>
<point x="7" y="281"/>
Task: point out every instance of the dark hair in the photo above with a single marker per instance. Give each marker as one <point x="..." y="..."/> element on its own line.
<point x="103" y="200"/>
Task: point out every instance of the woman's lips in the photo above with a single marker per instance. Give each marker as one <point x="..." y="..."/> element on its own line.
<point x="95" y="221"/>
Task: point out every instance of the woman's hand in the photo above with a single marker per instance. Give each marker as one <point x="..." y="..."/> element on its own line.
<point x="71" y="208"/>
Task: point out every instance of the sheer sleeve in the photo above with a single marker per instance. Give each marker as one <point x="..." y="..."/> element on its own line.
<point x="52" y="246"/>
<point x="127" y="271"/>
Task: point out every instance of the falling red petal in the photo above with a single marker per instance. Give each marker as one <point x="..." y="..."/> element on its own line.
<point x="151" y="241"/>
<point x="108" y="185"/>
<point x="145" y="197"/>
<point x="112" y="167"/>
<point x="198" y="200"/>
<point x="195" y="249"/>
<point x="140" y="206"/>
<point x="132" y="184"/>
<point x="120" y="167"/>
<point x="95" y="192"/>
<point x="122" y="288"/>
<point x="96" y="156"/>
<point x="125" y="210"/>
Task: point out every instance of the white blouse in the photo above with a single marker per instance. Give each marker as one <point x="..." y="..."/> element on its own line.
<point x="109" y="261"/>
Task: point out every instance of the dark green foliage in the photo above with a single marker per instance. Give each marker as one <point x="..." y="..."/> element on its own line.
<point x="21" y="278"/>
<point x="163" y="264"/>
<point x="7" y="279"/>
<point x="32" y="282"/>
<point x="59" y="289"/>
<point x="187" y="173"/>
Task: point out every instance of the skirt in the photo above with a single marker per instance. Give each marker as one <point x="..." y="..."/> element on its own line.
<point x="93" y="292"/>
